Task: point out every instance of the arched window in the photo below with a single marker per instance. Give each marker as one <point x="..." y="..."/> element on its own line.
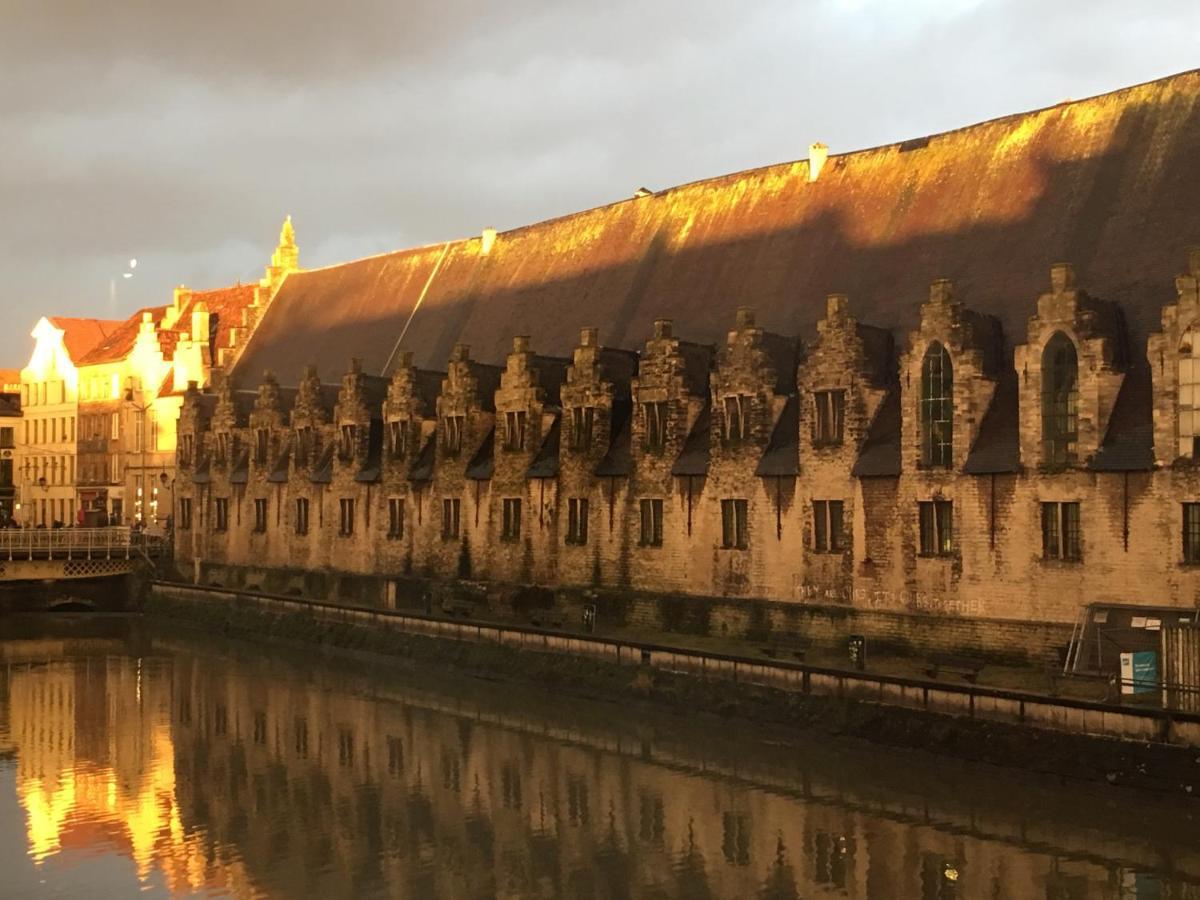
<point x="1060" y="401"/>
<point x="1189" y="394"/>
<point x="937" y="408"/>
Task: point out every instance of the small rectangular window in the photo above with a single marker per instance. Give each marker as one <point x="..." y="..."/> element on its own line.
<point x="735" y="532"/>
<point x="301" y="515"/>
<point x="450" y="523"/>
<point x="577" y="520"/>
<point x="185" y="513"/>
<point x="222" y="450"/>
<point x="654" y="418"/>
<point x="346" y="523"/>
<point x="262" y="443"/>
<point x="512" y="519"/>
<point x="398" y="438"/>
<point x="582" y="419"/>
<point x="116" y="426"/>
<point x="348" y="443"/>
<point x="304" y="445"/>
<point x="829" y="421"/>
<point x="1060" y="531"/>
<point x="514" y="430"/>
<point x="827" y="526"/>
<point x="260" y="514"/>
<point x="395" y="517"/>
<point x="737" y="419"/>
<point x="937" y="528"/>
<point x="222" y="523"/>
<point x="652" y="523"/>
<point x="452" y="434"/>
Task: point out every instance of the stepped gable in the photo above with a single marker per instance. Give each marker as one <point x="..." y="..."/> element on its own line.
<point x="1107" y="183"/>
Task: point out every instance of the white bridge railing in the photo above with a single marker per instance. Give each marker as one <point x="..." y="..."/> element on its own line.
<point x="65" y="543"/>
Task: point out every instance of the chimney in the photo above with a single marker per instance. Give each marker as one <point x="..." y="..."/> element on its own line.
<point x="461" y="353"/>
<point x="817" y="154"/>
<point x="521" y="343"/>
<point x="589" y="337"/>
<point x="745" y="317"/>
<point x="941" y="291"/>
<point x="836" y="306"/>
<point x="200" y="334"/>
<point x="1194" y="262"/>
<point x="1062" y="277"/>
<point x="404" y="360"/>
<point x="662" y="328"/>
<point x="486" y="240"/>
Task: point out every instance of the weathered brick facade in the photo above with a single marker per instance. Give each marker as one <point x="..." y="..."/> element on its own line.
<point x="715" y="471"/>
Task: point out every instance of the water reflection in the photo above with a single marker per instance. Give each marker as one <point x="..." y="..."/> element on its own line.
<point x="244" y="773"/>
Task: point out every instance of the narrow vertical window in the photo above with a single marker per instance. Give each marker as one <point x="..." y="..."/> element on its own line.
<point x="346" y="522"/>
<point x="348" y="443"/>
<point x="260" y="514"/>
<point x="304" y="445"/>
<point x="654" y="417"/>
<point x="1189" y="395"/>
<point x="301" y="515"/>
<point x="582" y="419"/>
<point x="512" y="520"/>
<point x="936" y="519"/>
<point x="937" y="408"/>
<point x="1191" y="533"/>
<point x="737" y="425"/>
<point x="185" y="513"/>
<point x="827" y="526"/>
<point x="222" y="523"/>
<point x="735" y="527"/>
<point x="450" y="518"/>
<point x="398" y="437"/>
<point x="514" y="430"/>
<point x="452" y="434"/>
<point x="1060" y="401"/>
<point x="829" y="418"/>
<point x="395" y="517"/>
<point x="577" y="520"/>
<point x="1061" y="537"/>
<point x="651" y="523"/>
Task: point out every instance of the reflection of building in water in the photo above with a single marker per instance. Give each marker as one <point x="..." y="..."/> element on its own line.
<point x="95" y="765"/>
<point x="328" y="792"/>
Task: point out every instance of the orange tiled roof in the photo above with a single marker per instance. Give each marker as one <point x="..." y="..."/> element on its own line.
<point x="1108" y="184"/>
<point x="225" y="306"/>
<point x="81" y="335"/>
<point x="120" y="341"/>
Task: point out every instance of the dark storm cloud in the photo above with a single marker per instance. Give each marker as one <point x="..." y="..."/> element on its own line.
<point x="183" y="132"/>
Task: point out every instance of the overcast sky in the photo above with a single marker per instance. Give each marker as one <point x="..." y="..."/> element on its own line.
<point x="181" y="133"/>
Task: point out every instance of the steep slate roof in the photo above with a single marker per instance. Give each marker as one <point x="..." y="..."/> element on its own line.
<point x="997" y="448"/>
<point x="81" y="335"/>
<point x="782" y="456"/>
<point x="545" y="463"/>
<point x="693" y="458"/>
<point x="880" y="453"/>
<point x="1128" y="445"/>
<point x="618" y="458"/>
<point x="1106" y="183"/>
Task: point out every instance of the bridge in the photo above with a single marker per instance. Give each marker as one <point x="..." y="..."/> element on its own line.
<point x="58" y="554"/>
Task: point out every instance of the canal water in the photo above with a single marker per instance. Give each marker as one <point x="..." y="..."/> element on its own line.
<point x="143" y="760"/>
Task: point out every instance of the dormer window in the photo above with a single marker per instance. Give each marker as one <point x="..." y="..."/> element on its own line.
<point x="937" y="408"/>
<point x="222" y="449"/>
<point x="261" y="445"/>
<point x="348" y="441"/>
<point x="398" y="437"/>
<point x="737" y="419"/>
<point x="1189" y="395"/>
<point x="582" y="418"/>
<point x="829" y="422"/>
<point x="304" y="444"/>
<point x="452" y="434"/>
<point x="1060" y="401"/>
<point x="514" y="430"/>
<point x="654" y="416"/>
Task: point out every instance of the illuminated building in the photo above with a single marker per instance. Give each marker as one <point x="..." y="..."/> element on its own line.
<point x="102" y="425"/>
<point x="947" y="386"/>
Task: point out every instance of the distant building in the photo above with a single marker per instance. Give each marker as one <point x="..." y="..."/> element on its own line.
<point x="105" y="398"/>
<point x="865" y="382"/>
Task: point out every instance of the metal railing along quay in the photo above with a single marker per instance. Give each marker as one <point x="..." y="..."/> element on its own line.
<point x="65" y="543"/>
<point x="970" y="700"/>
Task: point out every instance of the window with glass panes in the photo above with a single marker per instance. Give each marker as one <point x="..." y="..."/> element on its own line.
<point x="450" y="521"/>
<point x="737" y="424"/>
<point x="452" y="434"/>
<point x="185" y="513"/>
<point x="1060" y="531"/>
<point x="654" y="416"/>
<point x="1189" y="395"/>
<point x="514" y="430"/>
<point x="1191" y="533"/>
<point x="346" y="519"/>
<point x="827" y="526"/>
<point x="829" y="415"/>
<point x="1060" y="401"/>
<point x="348" y="443"/>
<point x="222" y="510"/>
<point x="301" y="515"/>
<point x="936" y="519"/>
<point x="582" y="420"/>
<point x="937" y="407"/>
<point x="735" y="530"/>
<point x="512" y="519"/>
<point x="395" y="517"/>
<point x="260" y="514"/>
<point x="577" y="520"/>
<point x="651" y="523"/>
<point x="398" y="437"/>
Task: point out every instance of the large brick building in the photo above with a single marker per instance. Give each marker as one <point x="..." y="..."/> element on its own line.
<point x="863" y="381"/>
